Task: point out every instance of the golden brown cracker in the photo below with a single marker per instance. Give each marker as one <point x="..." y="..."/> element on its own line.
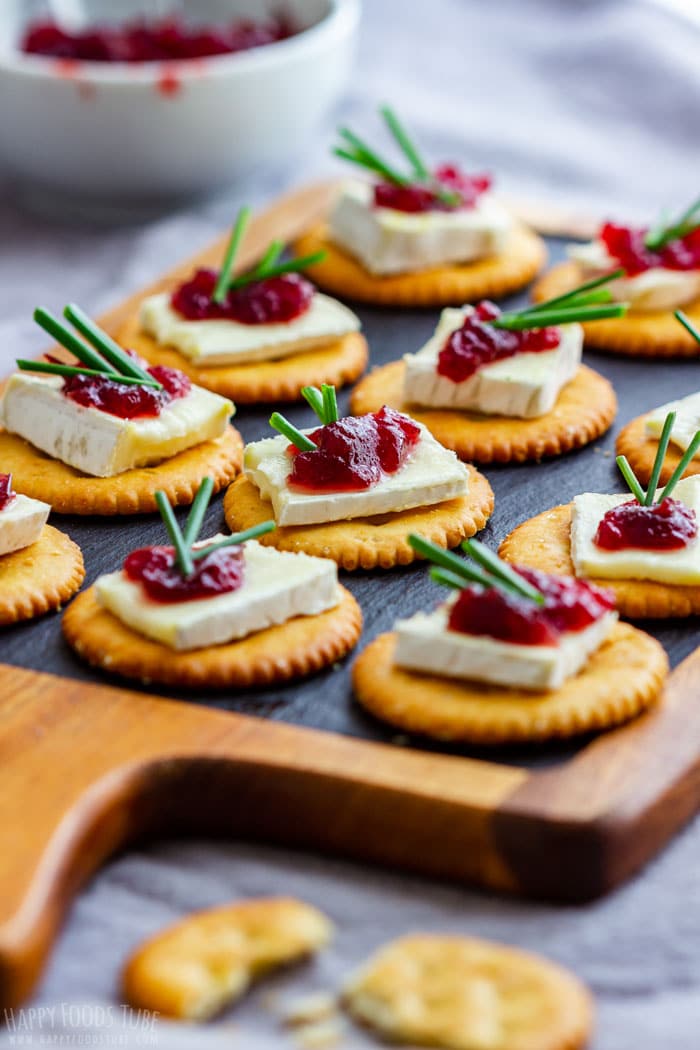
<point x="622" y="678"/>
<point x="39" y="578"/>
<point x="69" y="491"/>
<point x="366" y="543"/>
<point x="647" y="333"/>
<point x="640" y="449"/>
<point x="338" y="362"/>
<point x="544" y="542"/>
<point x="585" y="409"/>
<point x="464" y="993"/>
<point x="294" y="649"/>
<point x="492" y="278"/>
<point x="196" y="967"/>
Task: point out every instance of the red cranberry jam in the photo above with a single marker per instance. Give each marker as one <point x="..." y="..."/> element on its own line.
<point x="478" y="343"/>
<point x="665" y="526"/>
<point x="154" y="568"/>
<point x="569" y="605"/>
<point x="626" y="244"/>
<point x="418" y="198"/>
<point x="153" y="42"/>
<point x="275" y="300"/>
<point x="128" y="400"/>
<point x="355" y="453"/>
<point x="7" y="496"/>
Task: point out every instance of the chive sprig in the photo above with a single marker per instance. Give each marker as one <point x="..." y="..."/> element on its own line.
<point x="647" y="498"/>
<point x="485" y="568"/>
<point x="323" y="401"/>
<point x="664" y="232"/>
<point x="590" y="301"/>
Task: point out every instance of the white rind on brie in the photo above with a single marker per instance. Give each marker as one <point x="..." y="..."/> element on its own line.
<point x="101" y="444"/>
<point x="387" y="241"/>
<point x="655" y="289"/>
<point x="430" y="475"/>
<point x="21" y="523"/>
<point x="224" y="342"/>
<point x="427" y="645"/>
<point x="525" y="386"/>
<point x="674" y="566"/>
<point x="686" y="424"/>
<point x="277" y="586"/>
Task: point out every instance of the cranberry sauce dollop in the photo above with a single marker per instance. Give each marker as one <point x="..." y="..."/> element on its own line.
<point x="156" y="41"/>
<point x="274" y="300"/>
<point x="417" y="198"/>
<point x="128" y="400"/>
<point x="626" y="244"/>
<point x="478" y="343"/>
<point x="154" y="568"/>
<point x="569" y="605"/>
<point x="7" y="496"/>
<point x="665" y="526"/>
<point x="354" y="453"/>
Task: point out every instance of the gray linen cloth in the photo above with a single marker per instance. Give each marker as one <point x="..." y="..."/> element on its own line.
<point x="594" y="103"/>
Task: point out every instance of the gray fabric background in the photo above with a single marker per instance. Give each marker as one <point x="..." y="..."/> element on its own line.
<point x="590" y="102"/>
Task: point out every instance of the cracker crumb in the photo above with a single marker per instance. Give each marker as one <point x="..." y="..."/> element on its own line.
<point x="321" y="1035"/>
<point x="305" y="1009"/>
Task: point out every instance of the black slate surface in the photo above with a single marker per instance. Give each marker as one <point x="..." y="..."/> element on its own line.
<point x="325" y="701"/>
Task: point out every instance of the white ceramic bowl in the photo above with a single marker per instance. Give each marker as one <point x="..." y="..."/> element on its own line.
<point x="122" y="135"/>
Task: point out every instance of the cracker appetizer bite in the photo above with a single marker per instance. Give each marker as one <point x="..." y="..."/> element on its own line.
<point x="504" y="387"/>
<point x="255" y="336"/>
<point x="40" y="567"/>
<point x="102" y="434"/>
<point x="646" y="549"/>
<point x="225" y="611"/>
<point x="655" y="269"/>
<point x="419" y="236"/>
<point x="350" y="488"/>
<point x="514" y="655"/>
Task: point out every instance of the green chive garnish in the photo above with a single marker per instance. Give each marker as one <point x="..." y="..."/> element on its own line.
<point x="680" y="470"/>
<point x="330" y="404"/>
<point x="291" y="266"/>
<point x="222" y="284"/>
<point x="52" y="368"/>
<point x="501" y="570"/>
<point x="193" y="525"/>
<point x="578" y="292"/>
<point x="235" y="539"/>
<point x="447" y="578"/>
<point x="663" y="234"/>
<point x="687" y="324"/>
<point x="659" y="458"/>
<point x="420" y="169"/>
<point x="587" y="302"/>
<point x="183" y="555"/>
<point x="274" y="250"/>
<point x="631" y="479"/>
<point x="452" y="568"/>
<point x="121" y="361"/>
<point x="294" y="436"/>
<point x="63" y="335"/>
<point x="314" y="398"/>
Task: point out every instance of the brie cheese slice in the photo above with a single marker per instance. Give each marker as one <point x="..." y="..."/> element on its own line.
<point x="277" y="586"/>
<point x="655" y="289"/>
<point x="430" y="475"/>
<point x="101" y="444"/>
<point x="524" y="386"/>
<point x="675" y="566"/>
<point x="387" y="241"/>
<point x="209" y="343"/>
<point x="426" y="644"/>
<point x="21" y="523"/>
<point x="686" y="425"/>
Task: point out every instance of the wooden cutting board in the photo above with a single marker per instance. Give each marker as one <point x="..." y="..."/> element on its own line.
<point x="88" y="768"/>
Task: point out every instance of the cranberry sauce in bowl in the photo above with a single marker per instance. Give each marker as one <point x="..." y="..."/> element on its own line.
<point x="665" y="526"/>
<point x="7" y="496"/>
<point x="463" y="192"/>
<point x="627" y="245"/>
<point x="569" y="605"/>
<point x="128" y="400"/>
<point x="354" y="453"/>
<point x="274" y="300"/>
<point x="154" y="568"/>
<point x="478" y="343"/>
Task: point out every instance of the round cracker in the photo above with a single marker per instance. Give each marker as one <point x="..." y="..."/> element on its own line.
<point x="585" y="409"/>
<point x="620" y="679"/>
<point x="492" y="278"/>
<point x="339" y="362"/>
<point x="544" y="542"/>
<point x="196" y="967"/>
<point x="39" y="578"/>
<point x="366" y="543"/>
<point x="294" y="649"/>
<point x="69" y="491"/>
<point x="464" y="993"/>
<point x="647" y="333"/>
<point x="640" y="449"/>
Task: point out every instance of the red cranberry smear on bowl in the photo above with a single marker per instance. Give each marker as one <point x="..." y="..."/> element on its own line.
<point x="478" y="343"/>
<point x="569" y="605"/>
<point x="128" y="400"/>
<point x="155" y="41"/>
<point x="421" y="198"/>
<point x="354" y="453"/>
<point x="155" y="569"/>
<point x="7" y="496"/>
<point x="273" y="300"/>
<point x="627" y="245"/>
<point x="664" y="526"/>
